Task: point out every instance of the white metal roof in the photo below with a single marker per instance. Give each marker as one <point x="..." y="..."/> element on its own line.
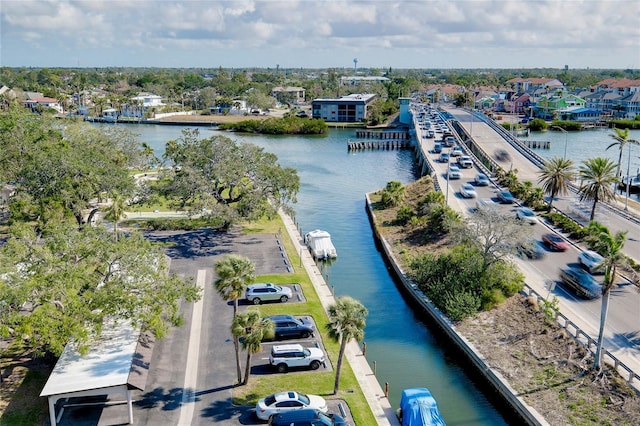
<point x="110" y="361"/>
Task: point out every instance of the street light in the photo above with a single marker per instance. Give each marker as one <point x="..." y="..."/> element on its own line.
<point x="565" y="139"/>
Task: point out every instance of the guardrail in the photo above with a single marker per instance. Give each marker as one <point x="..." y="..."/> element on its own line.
<point x="585" y="340"/>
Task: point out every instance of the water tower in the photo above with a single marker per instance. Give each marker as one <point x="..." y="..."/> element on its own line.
<point x="355" y="65"/>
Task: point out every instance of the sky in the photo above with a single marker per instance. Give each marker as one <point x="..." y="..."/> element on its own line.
<point x="321" y="33"/>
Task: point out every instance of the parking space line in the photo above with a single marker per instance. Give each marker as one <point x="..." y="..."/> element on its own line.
<point x="191" y="369"/>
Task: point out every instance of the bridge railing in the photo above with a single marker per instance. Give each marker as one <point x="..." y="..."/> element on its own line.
<point x="580" y="336"/>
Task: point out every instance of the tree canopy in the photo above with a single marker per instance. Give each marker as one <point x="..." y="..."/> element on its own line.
<point x="63" y="284"/>
<point x="228" y="177"/>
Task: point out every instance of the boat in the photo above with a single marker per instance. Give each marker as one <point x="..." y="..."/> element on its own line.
<point x="419" y="408"/>
<point x="320" y="245"/>
<point x="634" y="184"/>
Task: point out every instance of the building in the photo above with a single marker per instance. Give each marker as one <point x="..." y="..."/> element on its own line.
<point x="354" y="80"/>
<point x="288" y="94"/>
<point x="36" y="101"/>
<point x="347" y="109"/>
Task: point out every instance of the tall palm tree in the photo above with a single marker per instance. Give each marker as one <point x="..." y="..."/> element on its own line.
<point x="610" y="247"/>
<point x="116" y="212"/>
<point x="555" y="176"/>
<point x="252" y="329"/>
<point x="622" y="137"/>
<point x="347" y="319"/>
<point x="234" y="272"/>
<point x="599" y="176"/>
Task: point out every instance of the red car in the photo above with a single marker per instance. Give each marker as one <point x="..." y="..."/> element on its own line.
<point x="555" y="242"/>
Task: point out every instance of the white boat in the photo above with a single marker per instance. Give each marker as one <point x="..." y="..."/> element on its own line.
<point x="320" y="245"/>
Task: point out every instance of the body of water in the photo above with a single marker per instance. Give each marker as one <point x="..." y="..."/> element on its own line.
<point x="332" y="197"/>
<point x="333" y="185"/>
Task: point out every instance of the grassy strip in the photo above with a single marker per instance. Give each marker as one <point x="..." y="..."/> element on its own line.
<point x="312" y="382"/>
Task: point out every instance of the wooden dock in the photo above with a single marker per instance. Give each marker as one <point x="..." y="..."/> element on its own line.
<point x="387" y="144"/>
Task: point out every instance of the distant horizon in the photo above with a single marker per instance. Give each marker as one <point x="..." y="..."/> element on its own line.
<point x="322" y="34"/>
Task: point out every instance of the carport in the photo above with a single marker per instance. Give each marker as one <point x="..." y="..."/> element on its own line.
<point x="116" y="363"/>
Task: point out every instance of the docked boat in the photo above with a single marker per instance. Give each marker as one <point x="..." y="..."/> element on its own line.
<point x="320" y="245"/>
<point x="634" y="184"/>
<point x="419" y="408"/>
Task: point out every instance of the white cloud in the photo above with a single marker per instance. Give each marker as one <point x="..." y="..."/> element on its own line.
<point x="393" y="33"/>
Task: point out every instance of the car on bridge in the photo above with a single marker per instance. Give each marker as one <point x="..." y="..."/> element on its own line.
<point x="468" y="191"/>
<point x="590" y="260"/>
<point x="555" y="242"/>
<point x="481" y="179"/>
<point x="505" y="197"/>
<point x="581" y="282"/>
<point x="465" y="162"/>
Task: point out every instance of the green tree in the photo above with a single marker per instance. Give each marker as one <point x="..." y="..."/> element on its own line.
<point x="347" y="320"/>
<point x="599" y="177"/>
<point x="240" y="178"/>
<point x="610" y="247"/>
<point x="115" y="212"/>
<point x="621" y="137"/>
<point x="555" y="176"/>
<point x="68" y="281"/>
<point x="251" y="329"/>
<point x="392" y="194"/>
<point x="234" y="272"/>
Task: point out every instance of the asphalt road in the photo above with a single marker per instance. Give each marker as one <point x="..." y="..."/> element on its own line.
<point x="622" y="331"/>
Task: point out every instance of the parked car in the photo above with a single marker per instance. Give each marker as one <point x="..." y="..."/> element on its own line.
<point x="290" y="327"/>
<point x="456" y="151"/>
<point x="282" y="402"/>
<point x="306" y="417"/>
<point x="283" y="357"/>
<point x="444" y="157"/>
<point x="260" y="292"/>
<point x="525" y="214"/>
<point x="555" y="242"/>
<point x="482" y="179"/>
<point x="468" y="191"/>
<point x="506" y="197"/>
<point x="531" y="249"/>
<point x="581" y="282"/>
<point x="465" y="162"/>
<point x="590" y="260"/>
<point x="454" y="172"/>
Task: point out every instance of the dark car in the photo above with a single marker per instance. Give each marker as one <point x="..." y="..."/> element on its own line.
<point x="502" y="155"/>
<point x="306" y="418"/>
<point x="290" y="327"/>
<point x="506" y="197"/>
<point x="555" y="242"/>
<point x="581" y="282"/>
<point x="531" y="249"/>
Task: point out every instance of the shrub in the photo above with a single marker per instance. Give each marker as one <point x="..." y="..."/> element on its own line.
<point x="537" y="124"/>
<point x="459" y="304"/>
<point x="404" y="215"/>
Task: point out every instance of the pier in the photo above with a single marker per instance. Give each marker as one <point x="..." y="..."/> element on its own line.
<point x="387" y="144"/>
<point x="537" y="144"/>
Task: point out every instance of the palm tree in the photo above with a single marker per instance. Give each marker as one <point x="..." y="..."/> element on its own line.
<point x="622" y="137"/>
<point x="234" y="274"/>
<point x="347" y="319"/>
<point x="554" y="177"/>
<point x="599" y="177"/>
<point x="252" y="329"/>
<point x="610" y="247"/>
<point x="116" y="212"/>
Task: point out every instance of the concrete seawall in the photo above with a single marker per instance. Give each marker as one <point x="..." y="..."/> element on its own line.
<point x="525" y="412"/>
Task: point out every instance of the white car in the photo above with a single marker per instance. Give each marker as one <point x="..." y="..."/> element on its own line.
<point x="284" y="357"/>
<point x="287" y="401"/>
<point x="590" y="260"/>
<point x="525" y="214"/>
<point x="468" y="191"/>
<point x="456" y="151"/>
<point x="454" y="172"/>
<point x="260" y="292"/>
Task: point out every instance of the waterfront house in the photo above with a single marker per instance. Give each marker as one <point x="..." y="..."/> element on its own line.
<point x="288" y="94"/>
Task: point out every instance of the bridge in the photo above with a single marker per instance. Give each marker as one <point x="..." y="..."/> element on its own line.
<point x="482" y="138"/>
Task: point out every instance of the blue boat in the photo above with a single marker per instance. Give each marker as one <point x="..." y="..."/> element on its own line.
<point x="419" y="408"/>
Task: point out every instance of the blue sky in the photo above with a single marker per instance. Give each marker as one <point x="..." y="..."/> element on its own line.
<point x="321" y="34"/>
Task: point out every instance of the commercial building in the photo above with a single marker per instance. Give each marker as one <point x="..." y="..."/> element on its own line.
<point x="346" y="109"/>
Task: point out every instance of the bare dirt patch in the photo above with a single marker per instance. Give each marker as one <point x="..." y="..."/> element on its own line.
<point x="540" y="361"/>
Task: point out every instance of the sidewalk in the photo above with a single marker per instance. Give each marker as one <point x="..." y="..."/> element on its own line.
<point x="380" y="406"/>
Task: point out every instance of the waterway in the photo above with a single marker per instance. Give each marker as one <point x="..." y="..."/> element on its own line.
<point x="333" y="184"/>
